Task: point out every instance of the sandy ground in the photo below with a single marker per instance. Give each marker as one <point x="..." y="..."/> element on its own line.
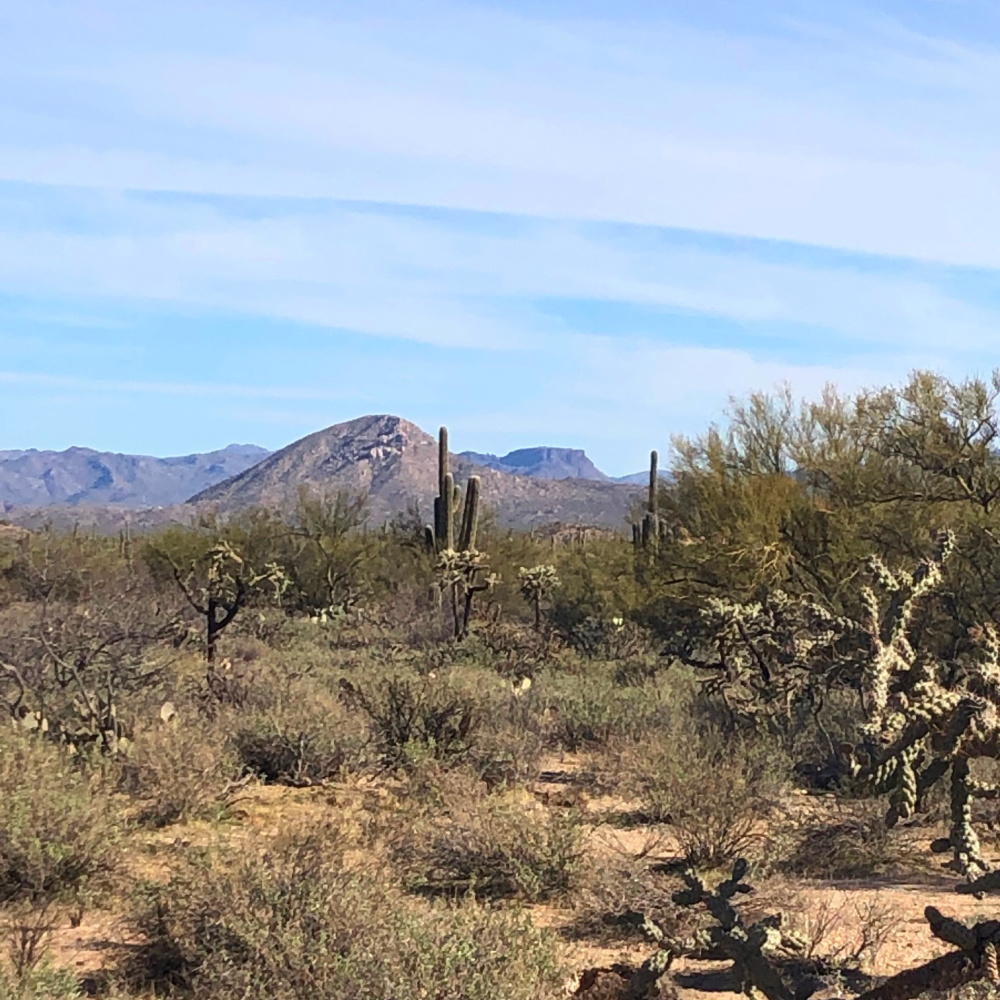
<point x="834" y="907"/>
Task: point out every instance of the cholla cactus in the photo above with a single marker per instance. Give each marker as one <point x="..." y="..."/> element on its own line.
<point x="887" y="626"/>
<point x="226" y="586"/>
<point x="770" y="655"/>
<point x="464" y="574"/>
<point x="917" y="729"/>
<point x="919" y="726"/>
<point x="537" y="583"/>
<point x="770" y="961"/>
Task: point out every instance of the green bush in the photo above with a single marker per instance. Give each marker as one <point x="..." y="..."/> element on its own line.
<point x="592" y="710"/>
<point x="45" y="982"/>
<point x="58" y="830"/>
<point x="411" y="720"/>
<point x="296" y="922"/>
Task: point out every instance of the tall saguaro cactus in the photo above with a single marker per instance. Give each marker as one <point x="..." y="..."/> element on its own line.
<point x="646" y="534"/>
<point x="444" y="531"/>
<point x="462" y="570"/>
<point x="448" y="533"/>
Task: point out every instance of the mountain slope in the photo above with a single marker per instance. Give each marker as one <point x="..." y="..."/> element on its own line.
<point x="543" y="463"/>
<point x="395" y="463"/>
<point x="88" y="477"/>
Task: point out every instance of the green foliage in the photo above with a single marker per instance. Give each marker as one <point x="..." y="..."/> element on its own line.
<point x="58" y="831"/>
<point x="44" y="982"/>
<point x="591" y="709"/>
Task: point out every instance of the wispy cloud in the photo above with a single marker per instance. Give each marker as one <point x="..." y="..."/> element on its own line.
<point x="511" y="216"/>
<point x="868" y="136"/>
<point x="213" y="390"/>
<point x="460" y="280"/>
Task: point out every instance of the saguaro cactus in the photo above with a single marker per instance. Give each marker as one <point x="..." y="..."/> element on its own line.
<point x="646" y="534"/>
<point x="446" y="531"/>
<point x="462" y="571"/>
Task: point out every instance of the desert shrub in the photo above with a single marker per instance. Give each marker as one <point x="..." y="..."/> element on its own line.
<point x="300" y="742"/>
<point x="591" y="709"/>
<point x="610" y="898"/>
<point x="857" y="844"/>
<point x="411" y="720"/>
<point x="493" y="849"/>
<point x="178" y="771"/>
<point x="58" y="829"/>
<point x="505" y="756"/>
<point x="297" y="922"/>
<point x="607" y="638"/>
<point x="512" y="649"/>
<point x="45" y="982"/>
<point x="848" y="932"/>
<point x="716" y="795"/>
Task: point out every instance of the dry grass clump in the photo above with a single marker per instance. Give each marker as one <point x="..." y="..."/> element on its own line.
<point x="493" y="848"/>
<point x="715" y="795"/>
<point x="296" y="921"/>
<point x="590" y="710"/>
<point x="180" y="772"/>
<point x="411" y="720"/>
<point x="848" y="932"/>
<point x="506" y="756"/>
<point x="857" y="844"/>
<point x="609" y="901"/>
<point x="303" y="741"/>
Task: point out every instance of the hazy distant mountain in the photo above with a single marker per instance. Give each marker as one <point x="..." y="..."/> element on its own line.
<point x="543" y="463"/>
<point x="395" y="463"/>
<point x="640" y="477"/>
<point x="389" y="459"/>
<point x="82" y="476"/>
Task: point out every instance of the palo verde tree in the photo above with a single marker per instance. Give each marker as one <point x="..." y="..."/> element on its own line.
<point x="329" y="551"/>
<point x="795" y="497"/>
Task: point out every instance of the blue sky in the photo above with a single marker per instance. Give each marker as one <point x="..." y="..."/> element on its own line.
<point x="580" y="223"/>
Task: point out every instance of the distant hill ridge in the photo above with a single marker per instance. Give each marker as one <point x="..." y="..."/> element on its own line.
<point x="386" y="457"/>
<point x="542" y="462"/>
<point x="85" y="476"/>
<point x="394" y="462"/>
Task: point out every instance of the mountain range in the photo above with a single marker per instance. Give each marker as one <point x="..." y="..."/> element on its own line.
<point x="542" y="463"/>
<point x="389" y="459"/>
<point x="84" y="476"/>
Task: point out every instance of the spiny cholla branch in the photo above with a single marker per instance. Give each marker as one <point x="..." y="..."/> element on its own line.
<point x="768" y="960"/>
